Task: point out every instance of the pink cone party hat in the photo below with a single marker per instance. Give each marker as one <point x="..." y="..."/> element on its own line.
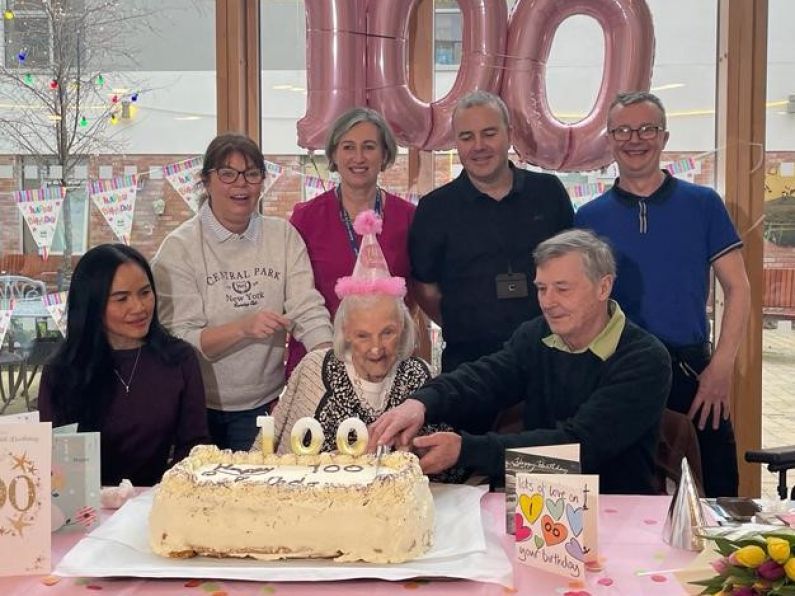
<point x="371" y="273"/>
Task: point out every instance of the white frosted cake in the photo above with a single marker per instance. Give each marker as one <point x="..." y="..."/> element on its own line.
<point x="246" y="504"/>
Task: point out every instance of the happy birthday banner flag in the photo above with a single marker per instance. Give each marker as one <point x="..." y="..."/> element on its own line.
<point x="185" y="177"/>
<point x="56" y="306"/>
<point x="115" y="199"/>
<point x="681" y="166"/>
<point x="6" y="308"/>
<point x="313" y="186"/>
<point x="275" y="172"/>
<point x="41" y="208"/>
<point x="587" y="190"/>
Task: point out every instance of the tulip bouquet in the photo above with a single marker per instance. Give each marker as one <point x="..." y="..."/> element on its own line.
<point x="753" y="564"/>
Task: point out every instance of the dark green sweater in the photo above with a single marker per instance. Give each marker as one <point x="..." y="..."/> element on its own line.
<point x="611" y="408"/>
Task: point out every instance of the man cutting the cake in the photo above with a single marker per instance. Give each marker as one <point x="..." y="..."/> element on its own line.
<point x="586" y="375"/>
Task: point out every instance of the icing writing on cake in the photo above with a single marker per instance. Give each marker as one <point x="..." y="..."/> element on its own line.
<point x="291" y="475"/>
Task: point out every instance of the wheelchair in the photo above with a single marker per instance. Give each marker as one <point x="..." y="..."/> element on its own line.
<point x="778" y="459"/>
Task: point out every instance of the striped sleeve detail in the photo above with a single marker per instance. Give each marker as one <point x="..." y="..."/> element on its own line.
<point x="726" y="250"/>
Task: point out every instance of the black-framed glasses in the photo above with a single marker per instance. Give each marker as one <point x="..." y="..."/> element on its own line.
<point x="645" y="132"/>
<point x="230" y="175"/>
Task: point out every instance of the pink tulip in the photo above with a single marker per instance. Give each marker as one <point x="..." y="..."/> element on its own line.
<point x="721" y="565"/>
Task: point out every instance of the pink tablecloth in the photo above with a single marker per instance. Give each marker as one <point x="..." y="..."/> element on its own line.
<point x="630" y="544"/>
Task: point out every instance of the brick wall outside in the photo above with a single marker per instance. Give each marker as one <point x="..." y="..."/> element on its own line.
<point x="149" y="229"/>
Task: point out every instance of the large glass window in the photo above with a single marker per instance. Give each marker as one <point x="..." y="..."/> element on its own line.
<point x="778" y="299"/>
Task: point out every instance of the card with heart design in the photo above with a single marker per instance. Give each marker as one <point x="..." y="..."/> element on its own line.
<point x="546" y="459"/>
<point x="556" y="522"/>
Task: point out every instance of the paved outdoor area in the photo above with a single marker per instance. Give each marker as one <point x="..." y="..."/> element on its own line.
<point x="778" y="389"/>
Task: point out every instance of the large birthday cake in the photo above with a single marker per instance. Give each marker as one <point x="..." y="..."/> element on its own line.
<point x="249" y="504"/>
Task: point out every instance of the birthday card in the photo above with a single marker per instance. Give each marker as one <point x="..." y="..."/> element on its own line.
<point x="75" y="478"/>
<point x="25" y="450"/>
<point x="546" y="459"/>
<point x="556" y="517"/>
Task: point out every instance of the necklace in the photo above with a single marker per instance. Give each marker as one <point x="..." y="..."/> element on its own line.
<point x="132" y="374"/>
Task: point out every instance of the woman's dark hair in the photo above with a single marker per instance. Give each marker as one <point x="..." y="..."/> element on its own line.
<point x="224" y="145"/>
<point x="82" y="368"/>
<point x="219" y="150"/>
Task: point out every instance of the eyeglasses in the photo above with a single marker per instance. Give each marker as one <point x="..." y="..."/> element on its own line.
<point x="230" y="175"/>
<point x="645" y="132"/>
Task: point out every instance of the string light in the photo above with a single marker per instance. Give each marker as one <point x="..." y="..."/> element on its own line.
<point x="100" y="80"/>
<point x="27" y="78"/>
<point x="21" y="56"/>
<point x="83" y="121"/>
<point x="53" y="84"/>
<point x="114" y="119"/>
<point x="114" y="99"/>
<point x="8" y="14"/>
<point x="134" y="97"/>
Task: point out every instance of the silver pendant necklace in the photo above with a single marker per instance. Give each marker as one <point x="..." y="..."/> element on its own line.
<point x="132" y="374"/>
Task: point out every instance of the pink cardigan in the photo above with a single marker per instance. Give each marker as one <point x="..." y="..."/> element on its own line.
<point x="318" y="222"/>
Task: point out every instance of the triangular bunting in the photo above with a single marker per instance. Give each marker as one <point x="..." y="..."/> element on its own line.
<point x="185" y="177"/>
<point x="6" y="308"/>
<point x="41" y="208"/>
<point x="115" y="199"/>
<point x="56" y="306"/>
<point x="275" y="172"/>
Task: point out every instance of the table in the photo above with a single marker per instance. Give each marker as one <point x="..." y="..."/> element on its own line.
<point x="630" y="542"/>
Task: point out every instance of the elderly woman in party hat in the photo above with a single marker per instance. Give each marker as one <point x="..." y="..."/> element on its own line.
<point x="370" y="368"/>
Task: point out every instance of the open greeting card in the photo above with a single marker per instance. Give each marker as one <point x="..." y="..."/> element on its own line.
<point x="556" y="517"/>
<point x="547" y="459"/>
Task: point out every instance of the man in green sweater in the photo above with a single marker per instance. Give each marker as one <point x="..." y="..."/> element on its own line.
<point x="586" y="374"/>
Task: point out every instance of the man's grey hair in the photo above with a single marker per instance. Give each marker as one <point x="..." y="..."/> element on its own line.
<point x="408" y="334"/>
<point x="597" y="258"/>
<point x="350" y="119"/>
<point x="484" y="98"/>
<point x="632" y="97"/>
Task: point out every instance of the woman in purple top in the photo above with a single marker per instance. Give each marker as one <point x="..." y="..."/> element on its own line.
<point x="120" y="373"/>
<point x="360" y="146"/>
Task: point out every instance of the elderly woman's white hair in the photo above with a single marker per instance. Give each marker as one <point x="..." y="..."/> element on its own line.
<point x="408" y="335"/>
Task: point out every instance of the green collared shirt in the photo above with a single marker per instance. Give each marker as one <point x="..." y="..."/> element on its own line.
<point x="603" y="345"/>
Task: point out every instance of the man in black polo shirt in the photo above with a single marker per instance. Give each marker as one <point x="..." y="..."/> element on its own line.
<point x="472" y="240"/>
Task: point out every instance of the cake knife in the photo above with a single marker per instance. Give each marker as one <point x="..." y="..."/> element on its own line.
<point x="379" y="452"/>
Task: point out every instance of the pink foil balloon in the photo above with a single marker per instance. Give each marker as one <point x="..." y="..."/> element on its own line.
<point x="335" y="65"/>
<point x="387" y="78"/>
<point x="539" y="137"/>
<point x="485" y="28"/>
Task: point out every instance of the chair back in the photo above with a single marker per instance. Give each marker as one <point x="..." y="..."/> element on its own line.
<point x="17" y="287"/>
<point x="678" y="439"/>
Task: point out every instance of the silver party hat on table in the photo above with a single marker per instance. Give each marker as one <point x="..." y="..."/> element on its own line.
<point x="685" y="515"/>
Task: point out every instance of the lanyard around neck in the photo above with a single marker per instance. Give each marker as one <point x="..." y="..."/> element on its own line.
<point x="346" y="219"/>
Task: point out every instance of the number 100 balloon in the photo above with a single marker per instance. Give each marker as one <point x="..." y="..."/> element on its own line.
<point x="358" y="51"/>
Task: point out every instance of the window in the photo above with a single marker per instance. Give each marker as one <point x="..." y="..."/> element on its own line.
<point x="27" y="34"/>
<point x="447" y="30"/>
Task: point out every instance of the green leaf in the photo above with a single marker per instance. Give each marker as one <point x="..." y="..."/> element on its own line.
<point x="724" y="546"/>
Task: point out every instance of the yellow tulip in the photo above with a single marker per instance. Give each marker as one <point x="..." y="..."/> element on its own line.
<point x="751" y="556"/>
<point x="778" y="549"/>
<point x="789" y="568"/>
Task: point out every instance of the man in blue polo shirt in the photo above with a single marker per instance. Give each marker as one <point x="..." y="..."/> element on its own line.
<point x="666" y="233"/>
